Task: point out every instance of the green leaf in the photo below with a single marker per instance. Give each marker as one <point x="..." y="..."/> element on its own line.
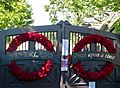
<point x="15" y="13"/>
<point x="76" y="10"/>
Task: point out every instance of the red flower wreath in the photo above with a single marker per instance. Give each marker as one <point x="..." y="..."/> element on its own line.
<point x="92" y="76"/>
<point x="17" y="71"/>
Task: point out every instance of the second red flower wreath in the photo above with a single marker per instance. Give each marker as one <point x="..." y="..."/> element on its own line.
<point x="92" y="76"/>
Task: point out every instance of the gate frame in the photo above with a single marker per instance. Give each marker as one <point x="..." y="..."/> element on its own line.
<point x="63" y="28"/>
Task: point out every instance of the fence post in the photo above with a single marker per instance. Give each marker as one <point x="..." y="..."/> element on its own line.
<point x="64" y="55"/>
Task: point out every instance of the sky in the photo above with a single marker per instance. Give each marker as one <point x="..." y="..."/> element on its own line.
<point x="39" y="15"/>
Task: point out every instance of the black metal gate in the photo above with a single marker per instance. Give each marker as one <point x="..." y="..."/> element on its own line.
<point x="7" y="80"/>
<point x="74" y="34"/>
<point x="57" y="78"/>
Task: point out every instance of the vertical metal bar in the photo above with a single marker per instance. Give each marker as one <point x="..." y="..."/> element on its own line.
<point x="93" y="47"/>
<point x="42" y="45"/>
<point x="7" y="41"/>
<point x="99" y="47"/>
<point x="54" y="40"/>
<point x="47" y="34"/>
<point x="31" y="45"/>
<point x="78" y="38"/>
<point x="75" y="38"/>
<point x="22" y="46"/>
<point x="25" y="47"/>
<point x="70" y="49"/>
<point x="86" y="47"/>
<point x="64" y="62"/>
<point x="72" y="40"/>
<point x="50" y="36"/>
<point x="102" y="48"/>
<point x="39" y="45"/>
<point x="82" y="36"/>
<point x="51" y="39"/>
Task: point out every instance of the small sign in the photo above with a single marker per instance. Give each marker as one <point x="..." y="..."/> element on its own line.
<point x="65" y="44"/>
<point x="91" y="84"/>
<point x="64" y="60"/>
<point x="89" y="55"/>
<point x="39" y="54"/>
<point x="64" y="65"/>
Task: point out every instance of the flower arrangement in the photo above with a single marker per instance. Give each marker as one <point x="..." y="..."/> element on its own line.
<point x="92" y="76"/>
<point x="17" y="71"/>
